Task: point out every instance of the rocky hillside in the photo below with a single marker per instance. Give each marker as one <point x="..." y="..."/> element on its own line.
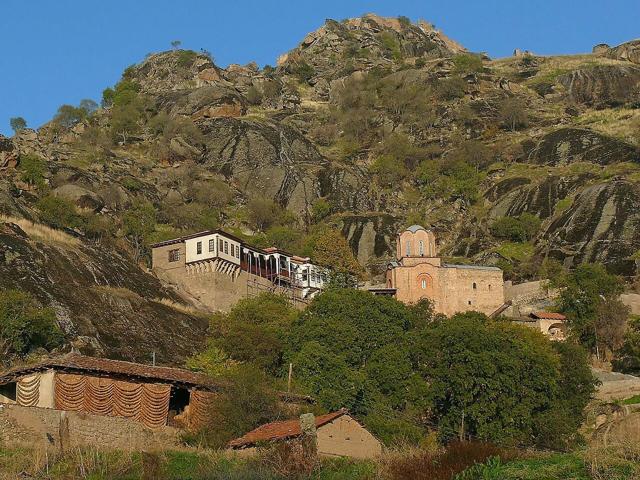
<point x="369" y="124"/>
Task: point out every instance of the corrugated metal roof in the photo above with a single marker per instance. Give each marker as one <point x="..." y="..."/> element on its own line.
<point x="280" y="430"/>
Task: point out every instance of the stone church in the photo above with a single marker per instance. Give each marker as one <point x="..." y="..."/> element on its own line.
<point x="419" y="273"/>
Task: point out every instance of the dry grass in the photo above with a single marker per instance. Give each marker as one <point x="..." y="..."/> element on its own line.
<point x="622" y="123"/>
<point x="180" y="307"/>
<point x="42" y="233"/>
<point x="117" y="292"/>
<point x="617" y="462"/>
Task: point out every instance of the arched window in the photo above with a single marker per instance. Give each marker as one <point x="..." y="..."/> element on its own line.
<point x="421" y="248"/>
<point x="475" y="287"/>
<point x="489" y="287"/>
<point x="469" y="302"/>
<point x="424" y="283"/>
<point x="408" y="249"/>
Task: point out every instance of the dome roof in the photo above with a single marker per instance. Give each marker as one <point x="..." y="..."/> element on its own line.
<point x="415" y="228"/>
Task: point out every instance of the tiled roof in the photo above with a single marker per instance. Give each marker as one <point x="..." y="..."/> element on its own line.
<point x="74" y="362"/>
<point x="280" y="430"/>
<point x="469" y="267"/>
<point x="548" y="316"/>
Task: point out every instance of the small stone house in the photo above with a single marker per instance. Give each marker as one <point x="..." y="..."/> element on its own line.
<point x="338" y="435"/>
<point x="154" y="396"/>
<point x="551" y="324"/>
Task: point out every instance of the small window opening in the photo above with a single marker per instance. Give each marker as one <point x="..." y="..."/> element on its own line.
<point x="424" y="284"/>
<point x="199" y="248"/>
<point x="212" y="245"/>
<point x="469" y="302"/>
<point x="475" y="287"/>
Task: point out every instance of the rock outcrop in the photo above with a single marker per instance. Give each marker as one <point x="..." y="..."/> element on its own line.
<point x="571" y="145"/>
<point x="627" y="51"/>
<point x="600" y="226"/>
<point x="104" y="303"/>
<point x="603" y="85"/>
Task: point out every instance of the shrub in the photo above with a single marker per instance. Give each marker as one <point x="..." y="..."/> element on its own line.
<point x="467" y="63"/>
<point x="628" y="356"/>
<point x="186" y="58"/>
<point x="390" y="43"/>
<point x="25" y="326"/>
<point x="247" y="402"/>
<point x="58" y="212"/>
<point x="303" y="71"/>
<point x="513" y="113"/>
<point x="33" y="169"/>
<point x="264" y="212"/>
<point x="443" y="465"/>
<point x="254" y="97"/>
<point x="404" y="21"/>
<point x="321" y="209"/>
<point x="517" y="229"/>
<point x="451" y="88"/>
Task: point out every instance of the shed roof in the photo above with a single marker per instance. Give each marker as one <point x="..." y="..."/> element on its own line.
<point x="281" y="430"/>
<point x="77" y="363"/>
<point x="548" y="315"/>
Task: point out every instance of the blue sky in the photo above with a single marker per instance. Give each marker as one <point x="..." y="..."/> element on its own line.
<point x="61" y="51"/>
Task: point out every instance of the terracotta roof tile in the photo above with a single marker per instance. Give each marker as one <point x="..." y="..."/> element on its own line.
<point x="280" y="430"/>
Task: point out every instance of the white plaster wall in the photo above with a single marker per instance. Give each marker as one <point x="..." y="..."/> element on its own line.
<point x="192" y="249"/>
<point x="47" y="389"/>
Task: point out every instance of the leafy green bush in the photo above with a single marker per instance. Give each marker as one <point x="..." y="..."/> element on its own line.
<point x="517" y="229"/>
<point x="391" y="43"/>
<point x="186" y="58"/>
<point x="68" y="115"/>
<point x="451" y="88"/>
<point x="467" y="63"/>
<point x="58" y="212"/>
<point x="254" y="97"/>
<point x="303" y="71"/>
<point x="25" y="326"/>
<point x="17" y="124"/>
<point x="321" y="209"/>
<point x="32" y="168"/>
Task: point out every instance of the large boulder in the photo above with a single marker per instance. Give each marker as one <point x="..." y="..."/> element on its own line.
<point x="603" y="86"/>
<point x="264" y="158"/>
<point x="80" y="197"/>
<point x="571" y="145"/>
<point x="372" y="238"/>
<point x="627" y="51"/>
<point x="205" y="102"/>
<point x="600" y="226"/>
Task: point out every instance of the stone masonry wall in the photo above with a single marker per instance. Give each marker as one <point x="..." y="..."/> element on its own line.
<point x="47" y="428"/>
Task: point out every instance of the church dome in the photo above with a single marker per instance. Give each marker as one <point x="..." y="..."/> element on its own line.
<point x="415" y="228"/>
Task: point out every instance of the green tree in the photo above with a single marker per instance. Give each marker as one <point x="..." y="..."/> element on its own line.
<point x="494" y="381"/>
<point x="254" y="331"/>
<point x="247" y="401"/>
<point x="328" y="247"/>
<point x="25" y="326"/>
<point x="627" y="358"/>
<point x="467" y="63"/>
<point x="582" y="294"/>
<point x="264" y="212"/>
<point x="68" y="115"/>
<point x="17" y="124"/>
<point x="254" y="97"/>
<point x="139" y="224"/>
<point x="32" y="168"/>
<point x="88" y="105"/>
<point x="517" y="229"/>
<point x="303" y="71"/>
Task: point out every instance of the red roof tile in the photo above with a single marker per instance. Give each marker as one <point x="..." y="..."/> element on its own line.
<point x="280" y="430"/>
<point x="74" y="362"/>
<point x="548" y="316"/>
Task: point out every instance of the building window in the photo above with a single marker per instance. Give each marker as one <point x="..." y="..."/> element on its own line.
<point x="226" y="247"/>
<point x="199" y="248"/>
<point x="421" y="248"/>
<point x="489" y="287"/>
<point x="233" y="250"/>
<point x="174" y="255"/>
<point x="408" y="248"/>
<point x="424" y="284"/>
<point x="469" y="302"/>
<point x="220" y="246"/>
<point x="475" y="287"/>
<point x="238" y="251"/>
<point x="212" y="245"/>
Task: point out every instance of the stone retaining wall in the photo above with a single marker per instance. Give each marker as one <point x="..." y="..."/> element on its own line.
<point x="44" y="427"/>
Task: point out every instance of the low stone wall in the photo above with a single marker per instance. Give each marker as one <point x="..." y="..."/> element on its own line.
<point x="44" y="427"/>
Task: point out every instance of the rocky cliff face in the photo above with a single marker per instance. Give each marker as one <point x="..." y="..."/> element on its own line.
<point x="367" y="125"/>
<point x="104" y="303"/>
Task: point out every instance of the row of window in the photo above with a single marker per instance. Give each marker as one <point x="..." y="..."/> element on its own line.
<point x="423" y="284"/>
<point x="420" y="248"/>
<point x="223" y="246"/>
